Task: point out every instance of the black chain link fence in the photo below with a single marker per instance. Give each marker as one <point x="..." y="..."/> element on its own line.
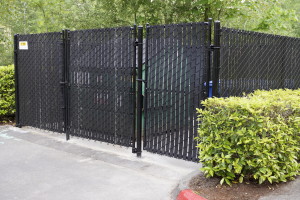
<point x="252" y="60"/>
<point x="39" y="75"/>
<point x="83" y="82"/>
<point x="175" y="87"/>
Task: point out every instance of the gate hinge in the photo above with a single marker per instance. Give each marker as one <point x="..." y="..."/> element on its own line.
<point x="142" y="80"/>
<point x="212" y="47"/>
<point x="136" y="43"/>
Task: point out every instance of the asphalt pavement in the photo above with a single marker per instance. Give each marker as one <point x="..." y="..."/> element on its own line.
<point x="37" y="165"/>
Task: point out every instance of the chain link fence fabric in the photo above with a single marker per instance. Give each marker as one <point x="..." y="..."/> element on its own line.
<point x="252" y="60"/>
<point x="175" y="87"/>
<point x="40" y="72"/>
<point x="83" y="83"/>
<point x="100" y="73"/>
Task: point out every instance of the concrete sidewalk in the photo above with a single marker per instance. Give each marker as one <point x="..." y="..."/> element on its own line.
<point x="42" y="165"/>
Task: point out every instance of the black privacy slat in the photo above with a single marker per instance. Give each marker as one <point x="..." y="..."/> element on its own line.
<point x="175" y="87"/>
<point x="40" y="71"/>
<point x="101" y="106"/>
<point x="251" y="60"/>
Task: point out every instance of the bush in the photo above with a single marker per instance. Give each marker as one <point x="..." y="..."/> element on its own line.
<point x="7" y="92"/>
<point x="255" y="137"/>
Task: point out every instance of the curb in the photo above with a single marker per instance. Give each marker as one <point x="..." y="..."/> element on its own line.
<point x="189" y="195"/>
<point x="182" y="191"/>
<point x="183" y="184"/>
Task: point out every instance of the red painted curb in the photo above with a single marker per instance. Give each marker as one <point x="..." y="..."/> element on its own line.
<point x="189" y="195"/>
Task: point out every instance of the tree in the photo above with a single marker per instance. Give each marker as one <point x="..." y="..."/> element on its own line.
<point x="36" y="16"/>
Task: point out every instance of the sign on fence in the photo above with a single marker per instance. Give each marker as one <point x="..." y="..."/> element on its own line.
<point x="23" y="45"/>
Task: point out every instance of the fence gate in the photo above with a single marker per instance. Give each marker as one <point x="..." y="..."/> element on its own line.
<point x="100" y="79"/>
<point x="176" y="72"/>
<point x="78" y="82"/>
<point x="39" y="65"/>
<point x="84" y="83"/>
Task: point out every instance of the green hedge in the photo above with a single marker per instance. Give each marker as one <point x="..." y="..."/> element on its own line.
<point x="7" y="92"/>
<point x="256" y="137"/>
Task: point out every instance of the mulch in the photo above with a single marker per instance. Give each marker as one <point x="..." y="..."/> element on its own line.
<point x="211" y="189"/>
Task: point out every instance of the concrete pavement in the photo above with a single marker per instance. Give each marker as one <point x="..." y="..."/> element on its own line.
<point x="290" y="191"/>
<point x="38" y="165"/>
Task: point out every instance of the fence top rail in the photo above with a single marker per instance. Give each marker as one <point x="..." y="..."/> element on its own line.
<point x="246" y="32"/>
<point x="104" y="29"/>
<point x="180" y="24"/>
<point x="39" y="34"/>
<point x="80" y="30"/>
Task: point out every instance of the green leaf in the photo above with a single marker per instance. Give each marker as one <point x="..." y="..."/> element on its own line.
<point x="241" y="179"/>
<point x="222" y="181"/>
<point x="270" y="180"/>
<point x="227" y="181"/>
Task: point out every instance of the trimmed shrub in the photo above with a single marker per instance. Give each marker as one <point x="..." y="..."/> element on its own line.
<point x="7" y="92"/>
<point x="255" y="137"/>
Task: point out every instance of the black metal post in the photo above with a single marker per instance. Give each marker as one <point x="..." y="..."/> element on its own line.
<point x="139" y="92"/>
<point x="146" y="86"/>
<point x="16" y="46"/>
<point x="216" y="63"/>
<point x="65" y="80"/>
<point x="133" y="90"/>
<point x="208" y="75"/>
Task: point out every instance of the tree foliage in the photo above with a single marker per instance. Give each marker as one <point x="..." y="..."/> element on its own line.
<point x="7" y="92"/>
<point x="35" y="16"/>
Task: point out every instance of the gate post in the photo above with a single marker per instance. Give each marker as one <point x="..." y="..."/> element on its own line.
<point x="216" y="63"/>
<point x="209" y="54"/>
<point x="16" y="46"/>
<point x="139" y="92"/>
<point x="146" y="85"/>
<point x="65" y="80"/>
<point x="133" y="90"/>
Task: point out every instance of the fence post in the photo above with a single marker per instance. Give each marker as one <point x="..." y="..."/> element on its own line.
<point x="139" y="92"/>
<point x="133" y="90"/>
<point x="146" y="86"/>
<point x="16" y="46"/>
<point x="216" y="59"/>
<point x="208" y="76"/>
<point x="65" y="80"/>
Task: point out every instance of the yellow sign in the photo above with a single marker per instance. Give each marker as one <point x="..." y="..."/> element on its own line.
<point x="23" y="45"/>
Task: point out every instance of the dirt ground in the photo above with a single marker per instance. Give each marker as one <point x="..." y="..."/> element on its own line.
<point x="7" y="121"/>
<point x="211" y="189"/>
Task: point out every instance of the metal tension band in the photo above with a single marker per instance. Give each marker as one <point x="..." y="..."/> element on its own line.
<point x="63" y="83"/>
<point x="142" y="80"/>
